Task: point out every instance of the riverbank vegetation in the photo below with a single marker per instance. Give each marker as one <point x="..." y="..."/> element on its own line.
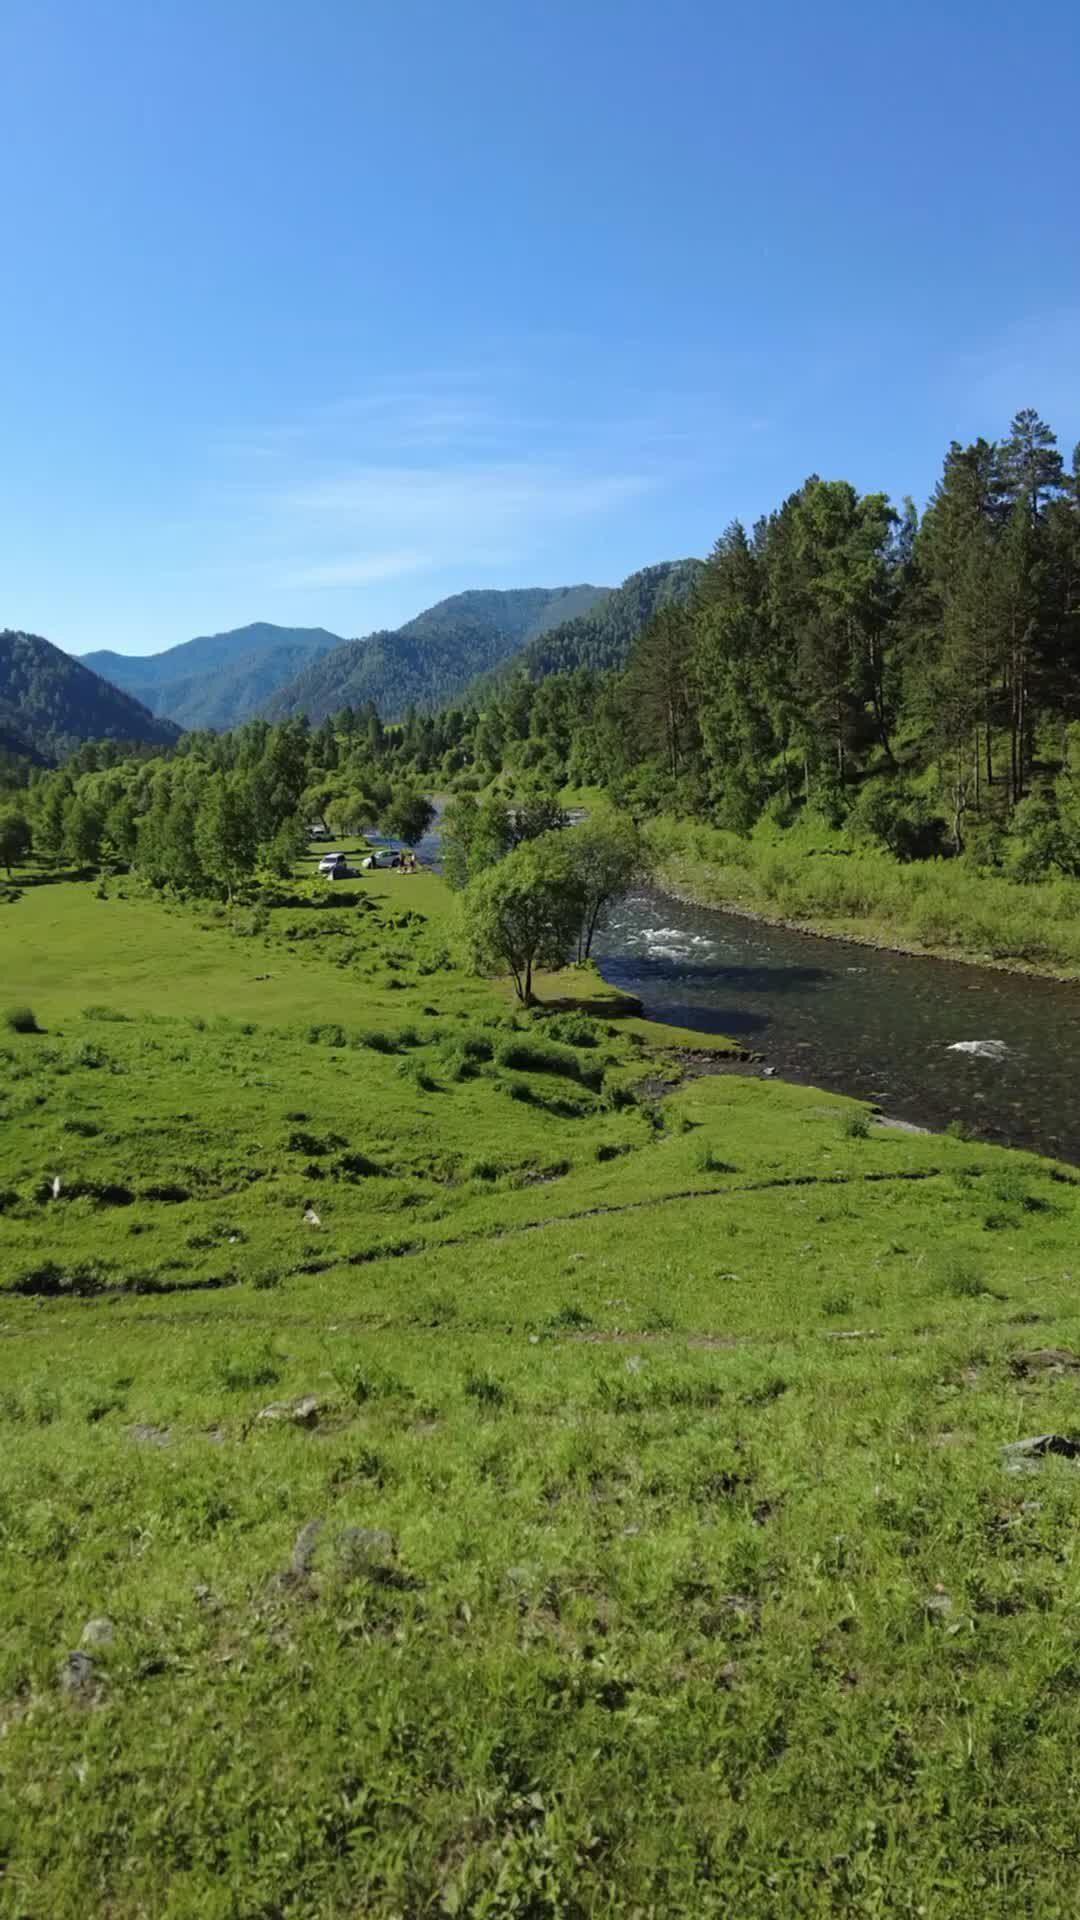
<point x="460" y="1460"/>
<point x="862" y="719"/>
<point x="812" y="877"/>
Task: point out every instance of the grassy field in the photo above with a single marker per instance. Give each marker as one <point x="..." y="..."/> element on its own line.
<point x="596" y="1507"/>
<point x="808" y="878"/>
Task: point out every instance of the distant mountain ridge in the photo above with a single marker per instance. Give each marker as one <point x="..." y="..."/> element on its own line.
<point x="50" y="702"/>
<point x="601" y="636"/>
<point x="430" y="660"/>
<point x="217" y="679"/>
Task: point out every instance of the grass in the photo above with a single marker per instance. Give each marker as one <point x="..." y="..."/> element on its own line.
<point x="810" y="878"/>
<point x="649" y="1547"/>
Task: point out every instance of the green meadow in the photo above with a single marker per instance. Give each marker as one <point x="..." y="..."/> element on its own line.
<point x="463" y="1462"/>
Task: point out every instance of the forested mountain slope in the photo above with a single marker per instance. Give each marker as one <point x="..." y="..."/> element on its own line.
<point x="431" y="659"/>
<point x="50" y="702"/>
<point x="217" y="679"/>
<point x="601" y="636"/>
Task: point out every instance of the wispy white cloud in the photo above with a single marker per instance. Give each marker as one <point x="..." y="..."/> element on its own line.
<point x="356" y="525"/>
<point x="461" y="474"/>
<point x="501" y="492"/>
<point x="360" y="570"/>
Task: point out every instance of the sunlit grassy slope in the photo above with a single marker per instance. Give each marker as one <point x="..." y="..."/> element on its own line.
<point x="667" y="1560"/>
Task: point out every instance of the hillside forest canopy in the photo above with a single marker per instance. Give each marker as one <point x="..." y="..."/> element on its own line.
<point x="913" y="682"/>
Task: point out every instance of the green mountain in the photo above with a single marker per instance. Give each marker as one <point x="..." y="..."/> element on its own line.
<point x="50" y="702"/>
<point x="602" y="635"/>
<point x="428" y="662"/>
<point x="217" y="679"/>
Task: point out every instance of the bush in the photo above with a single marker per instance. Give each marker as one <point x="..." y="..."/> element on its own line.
<point x="327" y="1035"/>
<point x="487" y="1170"/>
<point x="21" y="1020"/>
<point x="420" y="1076"/>
<point x="709" y="1161"/>
<point x="104" y="1013"/>
<point x="487" y="1392"/>
<point x="532" y="1056"/>
<point x="574" y="1029"/>
<point x="960" y="1277"/>
<point x="243" y="1373"/>
<point x="457" y="1063"/>
<point x="378" y="1041"/>
<point x="300" y="1141"/>
<point x="358" y="1166"/>
<point x="892" y="814"/>
<point x="571" y="1316"/>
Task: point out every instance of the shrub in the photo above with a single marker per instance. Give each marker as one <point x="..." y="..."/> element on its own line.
<point x="104" y="1013"/>
<point x="533" y="1056"/>
<point x="570" y="1316"/>
<point x="855" y="1126"/>
<point x="487" y="1392"/>
<point x="959" y="1277"/>
<point x="378" y="1041"/>
<point x="241" y="1373"/>
<point x="618" y="1097"/>
<point x="837" y="1305"/>
<point x="575" y="1029"/>
<point x="300" y="1141"/>
<point x="358" y="1166"/>
<point x="487" y="1170"/>
<point x="659" y="1320"/>
<point x="329" y="1034"/>
<point x="81" y="1277"/>
<point x="458" y="1064"/>
<point x="437" y="1310"/>
<point x="88" y="1054"/>
<point x="21" y="1020"/>
<point x="376" y="1383"/>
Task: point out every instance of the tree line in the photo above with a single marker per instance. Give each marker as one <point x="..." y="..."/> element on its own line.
<point x="915" y="679"/>
<point x="912" y="679"/>
<point x="213" y="812"/>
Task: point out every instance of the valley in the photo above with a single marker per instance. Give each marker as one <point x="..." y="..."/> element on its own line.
<point x="446" y="1449"/>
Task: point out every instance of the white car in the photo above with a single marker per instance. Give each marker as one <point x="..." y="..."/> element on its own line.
<point x="381" y="857"/>
<point x="335" y="866"/>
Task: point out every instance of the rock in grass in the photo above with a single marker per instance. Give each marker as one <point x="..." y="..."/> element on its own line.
<point x="99" y="1632"/>
<point x="304" y="1546"/>
<point x="938" y="1606"/>
<point x="148" y="1436"/>
<point x="1046" y="1360"/>
<point x="301" y="1412"/>
<point x="1023" y="1456"/>
<point x="78" y="1675"/>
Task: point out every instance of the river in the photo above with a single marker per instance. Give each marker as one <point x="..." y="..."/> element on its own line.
<point x="898" y="1029"/>
<point x="883" y="1026"/>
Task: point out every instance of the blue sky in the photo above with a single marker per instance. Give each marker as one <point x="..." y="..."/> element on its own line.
<point x="315" y="313"/>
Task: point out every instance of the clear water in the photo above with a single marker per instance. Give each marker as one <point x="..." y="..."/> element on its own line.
<point x="883" y="1026"/>
<point x="889" y="1027"/>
